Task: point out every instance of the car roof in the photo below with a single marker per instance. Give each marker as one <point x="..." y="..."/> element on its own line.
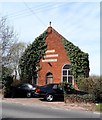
<point x="23" y="84"/>
<point x="51" y="84"/>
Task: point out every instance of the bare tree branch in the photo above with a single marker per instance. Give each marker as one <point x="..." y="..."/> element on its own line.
<point x="7" y="39"/>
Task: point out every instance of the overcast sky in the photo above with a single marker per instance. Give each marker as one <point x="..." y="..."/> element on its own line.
<point x="78" y="22"/>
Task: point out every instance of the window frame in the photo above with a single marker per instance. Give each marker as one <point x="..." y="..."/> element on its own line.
<point x="67" y="69"/>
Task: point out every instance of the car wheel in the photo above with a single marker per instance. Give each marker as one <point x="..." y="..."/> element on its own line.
<point x="49" y="97"/>
<point x="28" y="94"/>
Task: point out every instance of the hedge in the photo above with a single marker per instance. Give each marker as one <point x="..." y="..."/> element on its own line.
<point x="72" y="98"/>
<point x="92" y="85"/>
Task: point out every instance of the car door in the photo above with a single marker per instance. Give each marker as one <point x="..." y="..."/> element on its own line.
<point x="24" y="89"/>
<point x="18" y="90"/>
<point x="21" y="90"/>
<point x="58" y="91"/>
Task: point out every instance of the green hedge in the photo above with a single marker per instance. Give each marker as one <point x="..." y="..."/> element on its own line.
<point x="72" y="98"/>
<point x="72" y="95"/>
<point x="92" y="85"/>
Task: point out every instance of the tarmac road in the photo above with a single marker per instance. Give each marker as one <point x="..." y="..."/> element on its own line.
<point x="16" y="110"/>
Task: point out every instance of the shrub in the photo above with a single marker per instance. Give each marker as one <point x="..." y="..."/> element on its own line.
<point x="66" y="85"/>
<point x="72" y="95"/>
<point x="92" y="85"/>
<point x="87" y="98"/>
<point x="7" y="82"/>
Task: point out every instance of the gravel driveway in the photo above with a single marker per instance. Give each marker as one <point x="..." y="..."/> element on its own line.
<point x="55" y="104"/>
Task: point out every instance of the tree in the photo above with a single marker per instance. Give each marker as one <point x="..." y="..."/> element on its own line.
<point x="7" y="39"/>
<point x="10" y="52"/>
<point x="16" y="51"/>
<point x="10" y="48"/>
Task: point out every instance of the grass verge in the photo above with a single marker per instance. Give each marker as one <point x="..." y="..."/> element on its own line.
<point x="99" y="107"/>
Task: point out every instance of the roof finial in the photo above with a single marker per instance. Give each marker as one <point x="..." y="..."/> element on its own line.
<point x="50" y="23"/>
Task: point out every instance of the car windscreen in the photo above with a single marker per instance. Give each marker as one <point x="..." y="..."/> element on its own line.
<point x="47" y="87"/>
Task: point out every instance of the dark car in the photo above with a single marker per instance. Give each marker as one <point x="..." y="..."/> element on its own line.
<point x="23" y="90"/>
<point x="50" y="92"/>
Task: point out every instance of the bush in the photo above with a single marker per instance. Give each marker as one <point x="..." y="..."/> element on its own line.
<point x="7" y="82"/>
<point x="67" y="87"/>
<point x="87" y="98"/>
<point x="82" y="95"/>
<point x="92" y="85"/>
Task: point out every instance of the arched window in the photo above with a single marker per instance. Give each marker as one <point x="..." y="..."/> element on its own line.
<point x="49" y="78"/>
<point x="66" y="74"/>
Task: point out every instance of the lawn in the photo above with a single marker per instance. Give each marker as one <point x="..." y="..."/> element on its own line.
<point x="99" y="107"/>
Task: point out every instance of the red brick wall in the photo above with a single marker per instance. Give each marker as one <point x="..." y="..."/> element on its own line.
<point x="54" y="42"/>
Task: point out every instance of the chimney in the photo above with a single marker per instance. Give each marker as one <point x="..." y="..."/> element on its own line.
<point x="49" y="28"/>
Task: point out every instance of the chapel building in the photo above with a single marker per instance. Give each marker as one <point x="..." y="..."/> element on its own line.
<point x="55" y="65"/>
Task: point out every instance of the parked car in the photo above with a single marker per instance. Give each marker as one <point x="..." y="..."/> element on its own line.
<point x="53" y="91"/>
<point x="50" y="92"/>
<point x="23" y="90"/>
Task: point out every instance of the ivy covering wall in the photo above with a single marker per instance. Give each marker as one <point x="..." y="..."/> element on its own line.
<point x="79" y="60"/>
<point x="29" y="62"/>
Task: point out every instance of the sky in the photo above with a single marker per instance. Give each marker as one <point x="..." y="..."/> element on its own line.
<point x="78" y="22"/>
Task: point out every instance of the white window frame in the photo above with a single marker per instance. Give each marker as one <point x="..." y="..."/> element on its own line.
<point x="67" y="75"/>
